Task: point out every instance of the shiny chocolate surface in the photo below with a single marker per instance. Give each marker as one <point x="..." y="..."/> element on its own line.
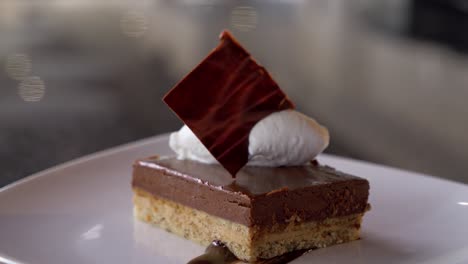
<point x="223" y="98"/>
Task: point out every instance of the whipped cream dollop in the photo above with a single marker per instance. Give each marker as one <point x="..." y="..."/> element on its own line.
<point x="285" y="138"/>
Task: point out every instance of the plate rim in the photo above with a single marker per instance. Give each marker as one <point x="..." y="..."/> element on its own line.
<point x="164" y="136"/>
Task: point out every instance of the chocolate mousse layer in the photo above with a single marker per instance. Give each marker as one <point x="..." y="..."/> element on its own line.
<point x="259" y="196"/>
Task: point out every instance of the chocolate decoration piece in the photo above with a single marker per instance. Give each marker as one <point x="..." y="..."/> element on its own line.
<point x="259" y="196"/>
<point x="223" y="98"/>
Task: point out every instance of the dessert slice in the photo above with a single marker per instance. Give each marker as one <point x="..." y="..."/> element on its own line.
<point x="243" y="174"/>
<point x="262" y="213"/>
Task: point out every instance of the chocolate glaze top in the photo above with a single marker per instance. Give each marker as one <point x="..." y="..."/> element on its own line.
<point x="259" y="195"/>
<point x="251" y="181"/>
<point x="223" y="98"/>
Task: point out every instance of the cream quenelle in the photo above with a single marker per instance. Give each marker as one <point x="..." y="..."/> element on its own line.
<point x="284" y="138"/>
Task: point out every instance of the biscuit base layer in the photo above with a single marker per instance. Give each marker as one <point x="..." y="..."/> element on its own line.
<point x="247" y="243"/>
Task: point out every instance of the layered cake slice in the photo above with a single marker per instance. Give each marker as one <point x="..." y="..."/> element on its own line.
<point x="244" y="171"/>
<point x="263" y="213"/>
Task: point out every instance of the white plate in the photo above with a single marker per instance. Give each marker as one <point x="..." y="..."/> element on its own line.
<point x="81" y="212"/>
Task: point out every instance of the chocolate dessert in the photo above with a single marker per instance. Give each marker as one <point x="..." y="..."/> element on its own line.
<point x="245" y="171"/>
<point x="263" y="213"/>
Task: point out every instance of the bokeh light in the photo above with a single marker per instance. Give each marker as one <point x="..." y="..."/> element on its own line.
<point x="244" y="18"/>
<point x="134" y="24"/>
<point x="31" y="89"/>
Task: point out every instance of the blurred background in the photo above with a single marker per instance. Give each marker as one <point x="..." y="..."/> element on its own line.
<point x="389" y="78"/>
